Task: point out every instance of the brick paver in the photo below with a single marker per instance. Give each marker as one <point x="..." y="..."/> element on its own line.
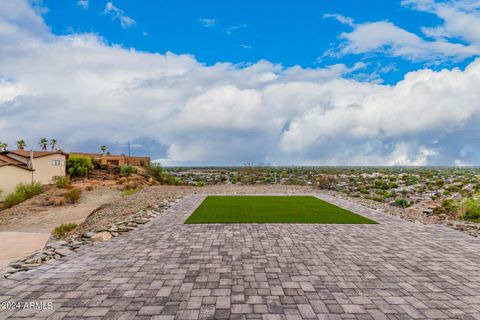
<point x="168" y="270"/>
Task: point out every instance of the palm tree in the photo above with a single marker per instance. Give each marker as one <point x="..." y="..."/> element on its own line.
<point x="44" y="144"/>
<point x="21" y="144"/>
<point x="53" y="143"/>
<point x="103" y="148"/>
<point x="4" y="146"/>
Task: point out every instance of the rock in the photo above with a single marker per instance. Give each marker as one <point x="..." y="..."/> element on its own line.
<point x="57" y="244"/>
<point x="15" y="265"/>
<point x="89" y="235"/>
<point x="101" y="236"/>
<point x="30" y="265"/>
<point x="63" y="252"/>
<point x="34" y="260"/>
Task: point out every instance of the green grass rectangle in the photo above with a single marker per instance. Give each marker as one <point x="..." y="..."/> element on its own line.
<point x="272" y="209"/>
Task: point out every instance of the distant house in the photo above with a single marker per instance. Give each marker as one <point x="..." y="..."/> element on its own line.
<point x="21" y="166"/>
<point x="114" y="160"/>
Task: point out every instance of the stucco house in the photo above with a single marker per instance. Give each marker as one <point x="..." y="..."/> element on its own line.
<point x="114" y="160"/>
<point x="21" y="166"/>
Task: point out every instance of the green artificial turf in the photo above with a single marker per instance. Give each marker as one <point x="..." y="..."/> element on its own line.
<point x="271" y="209"/>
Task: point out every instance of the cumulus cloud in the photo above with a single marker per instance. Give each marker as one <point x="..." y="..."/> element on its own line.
<point x="118" y="14"/>
<point x="86" y="92"/>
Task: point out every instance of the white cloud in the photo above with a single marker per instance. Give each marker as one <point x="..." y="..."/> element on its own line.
<point x="461" y="21"/>
<point x="208" y="22"/>
<point x="340" y="18"/>
<point x="81" y="90"/>
<point x="461" y="18"/>
<point x="386" y="38"/>
<point x="84" y="4"/>
<point x="117" y="13"/>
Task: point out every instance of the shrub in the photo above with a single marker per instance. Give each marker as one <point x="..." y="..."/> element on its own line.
<point x="22" y="192"/>
<point x="402" y="203"/>
<point x="73" y="195"/>
<point x="79" y="166"/>
<point x="155" y="171"/>
<point x="200" y="184"/>
<point x="448" y="206"/>
<point x="63" y="229"/>
<point x="126" y="170"/>
<point x="472" y="209"/>
<point x="63" y="182"/>
<point x="129" y="192"/>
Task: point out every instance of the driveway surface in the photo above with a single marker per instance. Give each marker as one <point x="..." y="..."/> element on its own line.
<point x="168" y="270"/>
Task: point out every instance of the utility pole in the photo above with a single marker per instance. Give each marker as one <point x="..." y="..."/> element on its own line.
<point x="129" y="148"/>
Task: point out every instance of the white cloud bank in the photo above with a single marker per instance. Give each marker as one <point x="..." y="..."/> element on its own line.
<point x="79" y="89"/>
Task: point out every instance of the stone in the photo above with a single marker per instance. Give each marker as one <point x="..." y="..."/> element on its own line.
<point x="88" y="235"/>
<point x="101" y="236"/>
<point x="63" y="252"/>
<point x="57" y="244"/>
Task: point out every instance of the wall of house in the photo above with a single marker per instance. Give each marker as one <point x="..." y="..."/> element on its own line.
<point x="138" y="161"/>
<point x="45" y="169"/>
<point x="10" y="177"/>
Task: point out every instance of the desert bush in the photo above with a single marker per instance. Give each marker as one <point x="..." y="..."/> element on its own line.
<point x="126" y="170"/>
<point x="402" y="203"/>
<point x="89" y="188"/>
<point x="448" y="206"/>
<point x="22" y="192"/>
<point x="79" y="166"/>
<point x="472" y="209"/>
<point x="129" y="192"/>
<point x="73" y="195"/>
<point x="63" y="182"/>
<point x="200" y="184"/>
<point x="156" y="171"/>
<point x="63" y="229"/>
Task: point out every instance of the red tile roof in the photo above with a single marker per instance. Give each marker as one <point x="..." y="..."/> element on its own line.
<point x="36" y="154"/>
<point x="7" y="161"/>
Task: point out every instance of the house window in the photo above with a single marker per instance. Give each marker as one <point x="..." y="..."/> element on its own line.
<point x="56" y="162"/>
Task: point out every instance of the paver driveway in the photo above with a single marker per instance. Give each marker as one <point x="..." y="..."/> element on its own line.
<point x="167" y="270"/>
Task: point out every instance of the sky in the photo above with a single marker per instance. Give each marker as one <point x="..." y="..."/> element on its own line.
<point x="321" y="82"/>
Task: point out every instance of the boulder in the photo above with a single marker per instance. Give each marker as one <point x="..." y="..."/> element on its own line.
<point x="101" y="236"/>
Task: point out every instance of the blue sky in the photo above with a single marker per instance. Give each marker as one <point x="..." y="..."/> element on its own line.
<point x="228" y="82"/>
<point x="284" y="32"/>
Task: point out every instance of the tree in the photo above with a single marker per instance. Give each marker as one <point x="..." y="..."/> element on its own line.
<point x="21" y="144"/>
<point x="3" y="146"/>
<point x="53" y="143"/>
<point x="103" y="148"/>
<point x="43" y="144"/>
<point x="79" y="166"/>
